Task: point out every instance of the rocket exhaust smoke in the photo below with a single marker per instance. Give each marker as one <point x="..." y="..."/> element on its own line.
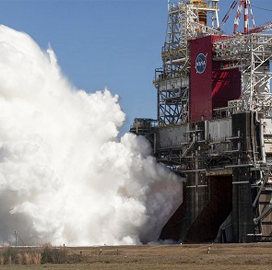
<point x="65" y="176"/>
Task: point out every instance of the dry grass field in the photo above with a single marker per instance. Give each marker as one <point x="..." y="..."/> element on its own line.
<point x="189" y="256"/>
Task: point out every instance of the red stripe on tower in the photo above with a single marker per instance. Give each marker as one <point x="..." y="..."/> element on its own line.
<point x="246" y="17"/>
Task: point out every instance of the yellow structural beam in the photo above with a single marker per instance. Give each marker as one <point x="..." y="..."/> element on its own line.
<point x="202" y="14"/>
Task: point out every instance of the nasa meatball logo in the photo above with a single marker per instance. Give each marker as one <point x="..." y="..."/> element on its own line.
<point x="200" y="63"/>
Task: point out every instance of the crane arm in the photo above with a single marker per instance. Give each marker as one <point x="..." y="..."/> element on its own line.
<point x="263" y="28"/>
<point x="226" y="17"/>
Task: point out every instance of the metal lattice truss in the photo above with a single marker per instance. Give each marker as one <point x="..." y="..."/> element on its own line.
<point x="172" y="81"/>
<point x="251" y="54"/>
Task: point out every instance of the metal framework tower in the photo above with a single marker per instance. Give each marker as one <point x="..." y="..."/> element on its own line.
<point x="224" y="147"/>
<point x="251" y="54"/>
<point x="186" y="21"/>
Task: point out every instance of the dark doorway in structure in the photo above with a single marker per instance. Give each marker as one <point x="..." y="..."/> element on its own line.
<point x="205" y="227"/>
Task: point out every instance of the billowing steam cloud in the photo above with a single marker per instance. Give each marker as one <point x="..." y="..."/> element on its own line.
<point x="65" y="177"/>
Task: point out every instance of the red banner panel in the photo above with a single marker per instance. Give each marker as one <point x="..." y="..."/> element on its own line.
<point x="210" y="87"/>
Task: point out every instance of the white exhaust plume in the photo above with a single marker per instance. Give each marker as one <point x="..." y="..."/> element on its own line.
<point x="65" y="177"/>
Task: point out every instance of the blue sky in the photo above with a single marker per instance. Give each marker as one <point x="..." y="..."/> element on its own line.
<point x="107" y="43"/>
